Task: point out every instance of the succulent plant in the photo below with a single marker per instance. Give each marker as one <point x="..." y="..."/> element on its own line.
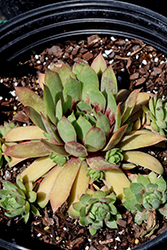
<point x="81" y="118"/>
<point x="156" y="115"/>
<point x="96" y="175"/>
<point x="95" y="209"/>
<point x="114" y="156"/>
<point x="18" y="199"/>
<point x="146" y="193"/>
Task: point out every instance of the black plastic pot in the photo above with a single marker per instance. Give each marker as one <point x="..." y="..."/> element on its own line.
<point x="33" y="31"/>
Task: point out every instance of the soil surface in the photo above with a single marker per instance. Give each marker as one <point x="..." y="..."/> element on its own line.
<point x="136" y="65"/>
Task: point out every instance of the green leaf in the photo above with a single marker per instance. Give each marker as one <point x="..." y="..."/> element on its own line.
<point x="49" y="104"/>
<point x="161" y="184"/>
<point x="130" y="104"/>
<point x="76" y="149"/>
<point x="59" y="110"/>
<point x="67" y="105"/>
<point x="89" y="81"/>
<point x="130" y="204"/>
<point x="34" y="210"/>
<point x="31" y="196"/>
<point x="82" y="126"/>
<point x="51" y="130"/>
<point x="77" y="206"/>
<point x="73" y="89"/>
<point x="97" y="225"/>
<point x="21" y="186"/>
<point x="111" y="224"/>
<point x="109" y="81"/>
<point x="84" y="221"/>
<point x="92" y="230"/>
<point x="83" y="212"/>
<point x="66" y="130"/>
<point x="111" y="104"/>
<point x="53" y="82"/>
<point x="163" y="210"/>
<point x="143" y="180"/>
<point x="97" y="100"/>
<point x="136" y="188"/>
<point x="103" y="123"/>
<point x="29" y="98"/>
<point x="72" y="118"/>
<point x="95" y="139"/>
<point x="35" y="117"/>
<point x="85" y="198"/>
<point x="9" y="186"/>
<point x="64" y="72"/>
<point x="85" y="107"/>
<point x="77" y="67"/>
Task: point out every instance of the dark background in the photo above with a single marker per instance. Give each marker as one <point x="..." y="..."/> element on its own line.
<point x="11" y="8"/>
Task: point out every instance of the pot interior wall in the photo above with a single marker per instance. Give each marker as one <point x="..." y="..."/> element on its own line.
<point x="32" y="31"/>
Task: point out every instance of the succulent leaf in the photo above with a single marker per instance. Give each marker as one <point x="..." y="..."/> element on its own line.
<point x="144" y="160"/>
<point x="97" y="100"/>
<point x="59" y="110"/>
<point x="103" y="123"/>
<point x="63" y="183"/>
<point x="76" y="149"/>
<point x="79" y="187"/>
<point x="37" y="169"/>
<point x="82" y="126"/>
<point x="115" y="176"/>
<point x="109" y="81"/>
<point x="73" y="89"/>
<point x="24" y="133"/>
<point x="66" y="130"/>
<point x="77" y="67"/>
<point x="27" y="150"/>
<point x="44" y="189"/>
<point x="140" y="141"/>
<point x="64" y="72"/>
<point x="52" y="131"/>
<point x="95" y="139"/>
<point x="98" y="162"/>
<point x="49" y="104"/>
<point x="89" y="81"/>
<point x="99" y="64"/>
<point x="29" y="98"/>
<point x="58" y="149"/>
<point x="116" y="138"/>
<point x="35" y="117"/>
<point x="53" y="82"/>
<point x="114" y="156"/>
<point x="129" y="104"/>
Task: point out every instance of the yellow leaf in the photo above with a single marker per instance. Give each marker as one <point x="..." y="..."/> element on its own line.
<point x="38" y="168"/>
<point x="43" y="193"/>
<point x="24" y="133"/>
<point x="79" y="187"/>
<point x="63" y="183"/>
<point x="117" y="180"/>
<point x="144" y="160"/>
<point x="140" y="141"/>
